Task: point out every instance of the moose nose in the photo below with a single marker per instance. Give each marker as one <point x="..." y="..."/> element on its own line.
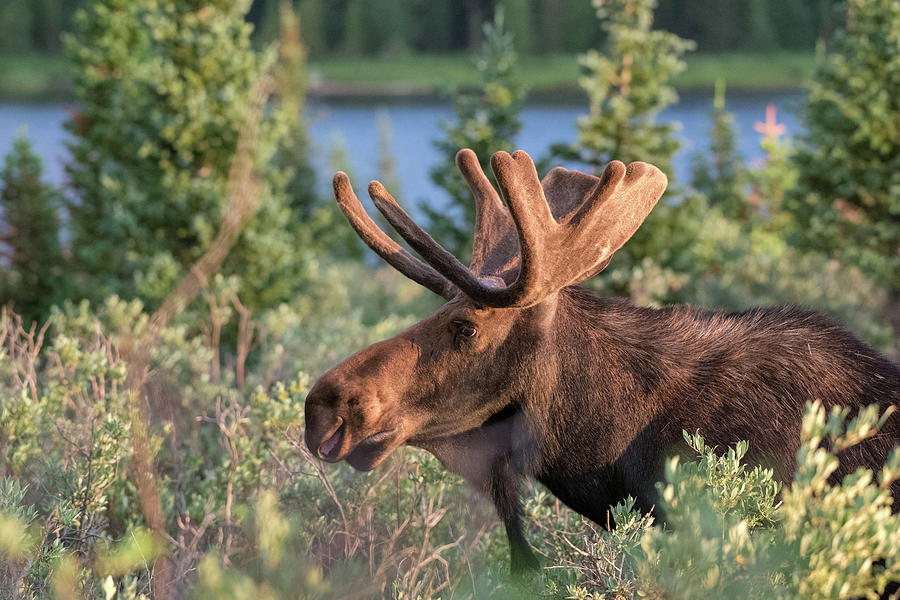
<point x="324" y="430"/>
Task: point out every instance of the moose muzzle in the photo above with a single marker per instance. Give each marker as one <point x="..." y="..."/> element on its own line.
<point x="353" y="413"/>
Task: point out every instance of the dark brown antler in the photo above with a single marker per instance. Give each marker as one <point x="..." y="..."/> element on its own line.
<point x="554" y="233"/>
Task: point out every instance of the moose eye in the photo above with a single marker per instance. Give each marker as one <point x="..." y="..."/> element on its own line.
<point x="466" y="330"/>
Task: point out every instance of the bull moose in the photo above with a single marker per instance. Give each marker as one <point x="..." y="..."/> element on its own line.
<point x="523" y="373"/>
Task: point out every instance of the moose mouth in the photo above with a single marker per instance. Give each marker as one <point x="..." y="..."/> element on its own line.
<point x="331" y="447"/>
<point x="362" y="456"/>
<point x="369" y="453"/>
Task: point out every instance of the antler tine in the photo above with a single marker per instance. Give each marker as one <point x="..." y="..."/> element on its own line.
<point x="518" y="182"/>
<point x="521" y="188"/>
<point x="394" y="254"/>
<point x="436" y="255"/>
<point x="492" y="220"/>
<point x="617" y="206"/>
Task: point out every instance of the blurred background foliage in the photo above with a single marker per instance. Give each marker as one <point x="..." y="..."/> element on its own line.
<point x="540" y="26"/>
<point x="165" y="90"/>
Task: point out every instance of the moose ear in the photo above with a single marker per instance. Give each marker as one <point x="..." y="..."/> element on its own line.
<point x="566" y="190"/>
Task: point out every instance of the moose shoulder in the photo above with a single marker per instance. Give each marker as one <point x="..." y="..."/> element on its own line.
<point x="523" y="374"/>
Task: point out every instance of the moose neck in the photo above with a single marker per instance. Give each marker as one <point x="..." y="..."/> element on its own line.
<point x="614" y="377"/>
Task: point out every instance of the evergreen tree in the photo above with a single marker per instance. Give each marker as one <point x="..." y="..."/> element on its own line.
<point x="354" y="41"/>
<point x="519" y="23"/>
<point x="389" y="27"/>
<point x="847" y="201"/>
<point x="312" y="25"/>
<point x="32" y="276"/>
<point x="164" y="89"/>
<point x="550" y="16"/>
<point x="795" y="22"/>
<point x="775" y="176"/>
<point x="49" y="20"/>
<point x="16" y="18"/>
<point x="487" y="120"/>
<point x="762" y="33"/>
<point x="434" y="32"/>
<point x="293" y="155"/>
<point x="321" y="225"/>
<point x="722" y="177"/>
<point x="387" y="164"/>
<point x="580" y="25"/>
<point x="268" y="25"/>
<point x="627" y="86"/>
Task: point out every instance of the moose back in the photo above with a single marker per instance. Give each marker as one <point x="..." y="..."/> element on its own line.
<point x="524" y="374"/>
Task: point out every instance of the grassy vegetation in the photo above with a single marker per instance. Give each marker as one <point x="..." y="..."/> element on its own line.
<point x="37" y="77"/>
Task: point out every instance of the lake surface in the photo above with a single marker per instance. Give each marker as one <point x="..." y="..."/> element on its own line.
<point x="414" y="125"/>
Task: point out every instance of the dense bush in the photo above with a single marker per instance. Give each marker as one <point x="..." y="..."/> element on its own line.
<point x="733" y="532"/>
<point x="224" y="428"/>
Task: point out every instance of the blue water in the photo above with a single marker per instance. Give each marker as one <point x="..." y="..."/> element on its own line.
<point x="413" y="127"/>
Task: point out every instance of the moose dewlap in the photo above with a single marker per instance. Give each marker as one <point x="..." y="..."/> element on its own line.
<point x="524" y="374"/>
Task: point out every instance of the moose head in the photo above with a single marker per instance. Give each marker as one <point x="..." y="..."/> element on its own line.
<point x="452" y="372"/>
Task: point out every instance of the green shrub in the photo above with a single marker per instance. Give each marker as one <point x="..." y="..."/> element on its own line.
<point x="729" y="534"/>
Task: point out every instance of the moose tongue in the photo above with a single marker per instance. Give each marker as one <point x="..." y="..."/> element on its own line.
<point x="328" y="445"/>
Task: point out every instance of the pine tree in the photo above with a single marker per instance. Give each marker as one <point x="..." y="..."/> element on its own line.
<point x="316" y="223"/>
<point x="32" y="276"/>
<point x="722" y="176"/>
<point x="293" y="155"/>
<point x="847" y="201"/>
<point x="49" y="20"/>
<point x="551" y="16"/>
<point x="354" y="40"/>
<point x="16" y="20"/>
<point x="389" y="27"/>
<point x="164" y="88"/>
<point x="268" y="25"/>
<point x="312" y="23"/>
<point x="627" y="86"/>
<point x="775" y="176"/>
<point x="580" y="25"/>
<point x="434" y="32"/>
<point x="487" y="120"/>
<point x="519" y="23"/>
<point x="762" y="33"/>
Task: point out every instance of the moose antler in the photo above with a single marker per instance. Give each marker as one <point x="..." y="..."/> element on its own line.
<point x="392" y="252"/>
<point x="552" y="233"/>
